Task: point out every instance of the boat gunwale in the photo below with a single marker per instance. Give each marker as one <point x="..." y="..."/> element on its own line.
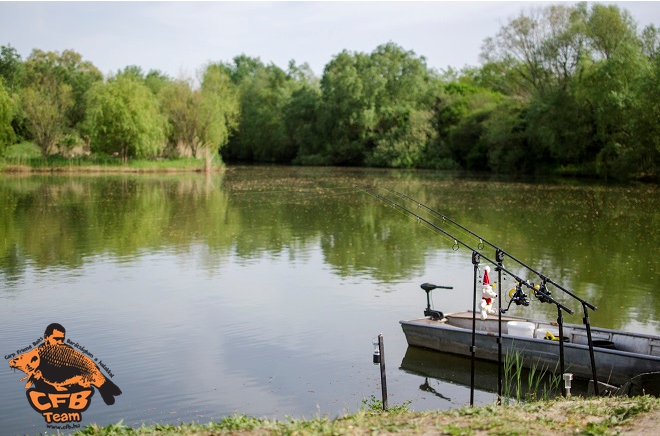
<point x="443" y="325"/>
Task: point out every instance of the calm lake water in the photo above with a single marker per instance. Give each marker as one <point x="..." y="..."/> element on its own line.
<point x="260" y="291"/>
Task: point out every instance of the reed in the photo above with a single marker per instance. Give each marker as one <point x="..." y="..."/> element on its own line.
<point x="533" y="384"/>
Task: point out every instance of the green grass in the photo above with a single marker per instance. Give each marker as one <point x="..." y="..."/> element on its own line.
<point x="593" y="416"/>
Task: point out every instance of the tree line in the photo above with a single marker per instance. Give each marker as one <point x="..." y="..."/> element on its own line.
<point x="572" y="89"/>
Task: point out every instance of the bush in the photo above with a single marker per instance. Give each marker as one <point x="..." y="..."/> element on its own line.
<point x="24" y="150"/>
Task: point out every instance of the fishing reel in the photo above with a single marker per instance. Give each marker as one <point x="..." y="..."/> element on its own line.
<point x="542" y="293"/>
<point x="517" y="296"/>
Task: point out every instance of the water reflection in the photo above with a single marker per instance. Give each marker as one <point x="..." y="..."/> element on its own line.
<point x="456" y="370"/>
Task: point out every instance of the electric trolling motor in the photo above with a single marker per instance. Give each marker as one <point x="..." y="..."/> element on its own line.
<point x="433" y="314"/>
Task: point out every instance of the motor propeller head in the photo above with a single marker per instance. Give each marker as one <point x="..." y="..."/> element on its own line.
<point x="428" y="287"/>
<point x="433" y="314"/>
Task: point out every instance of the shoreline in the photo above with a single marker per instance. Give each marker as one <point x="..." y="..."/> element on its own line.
<point x="575" y="415"/>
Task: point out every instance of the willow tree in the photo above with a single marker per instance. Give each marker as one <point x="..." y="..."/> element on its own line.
<point x="124" y="118"/>
<point x="219" y="110"/>
<point x="181" y="105"/>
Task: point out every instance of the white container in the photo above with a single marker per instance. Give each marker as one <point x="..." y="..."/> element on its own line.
<point x="520" y="328"/>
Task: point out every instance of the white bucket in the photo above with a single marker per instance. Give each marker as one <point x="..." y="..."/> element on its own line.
<point x="520" y="328"/>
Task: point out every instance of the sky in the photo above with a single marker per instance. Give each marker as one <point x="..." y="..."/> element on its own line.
<point x="180" y="38"/>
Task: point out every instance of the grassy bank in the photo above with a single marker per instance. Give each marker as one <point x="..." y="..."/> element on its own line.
<point x="91" y="166"/>
<point x="593" y="416"/>
<point x="26" y="158"/>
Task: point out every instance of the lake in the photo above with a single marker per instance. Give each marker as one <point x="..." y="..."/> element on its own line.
<point x="259" y="291"/>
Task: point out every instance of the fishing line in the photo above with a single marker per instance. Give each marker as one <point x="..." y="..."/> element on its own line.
<point x="480" y="244"/>
<point x="499" y="251"/>
<point x="458" y="242"/>
<point x="408" y="214"/>
<point x="445" y="219"/>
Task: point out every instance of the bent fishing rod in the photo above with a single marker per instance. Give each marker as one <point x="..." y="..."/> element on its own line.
<point x="541" y="292"/>
<point x="500" y="253"/>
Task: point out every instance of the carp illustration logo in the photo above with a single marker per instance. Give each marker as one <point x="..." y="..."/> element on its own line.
<point x="60" y="379"/>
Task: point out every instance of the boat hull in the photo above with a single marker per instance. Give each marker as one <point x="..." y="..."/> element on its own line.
<point x="613" y="366"/>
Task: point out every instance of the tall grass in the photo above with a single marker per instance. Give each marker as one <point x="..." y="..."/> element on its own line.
<point x="533" y="384"/>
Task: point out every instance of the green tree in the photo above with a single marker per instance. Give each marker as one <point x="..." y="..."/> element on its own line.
<point x="510" y="148"/>
<point x="407" y="91"/>
<point x="243" y="68"/>
<point x="12" y="69"/>
<point x="582" y="70"/>
<point x="181" y="105"/>
<point x="44" y="107"/>
<point x="377" y="109"/>
<point x="612" y="88"/>
<point x="645" y="151"/>
<point x="7" y="111"/>
<point x="301" y="116"/>
<point x="124" y="118"/>
<point x="537" y="51"/>
<point x="609" y="30"/>
<point x="156" y="80"/>
<point x="348" y="110"/>
<point x="219" y="110"/>
<point x="459" y="111"/>
<point x="651" y="41"/>
<point x="265" y="91"/>
<point x="262" y="131"/>
<point x="50" y="70"/>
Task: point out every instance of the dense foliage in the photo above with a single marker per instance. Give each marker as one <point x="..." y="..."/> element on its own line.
<point x="567" y="88"/>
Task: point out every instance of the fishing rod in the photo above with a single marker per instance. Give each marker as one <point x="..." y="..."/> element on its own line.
<point x="476" y="258"/>
<point x="483" y="240"/>
<point x="500" y="253"/>
<point x="540" y="291"/>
